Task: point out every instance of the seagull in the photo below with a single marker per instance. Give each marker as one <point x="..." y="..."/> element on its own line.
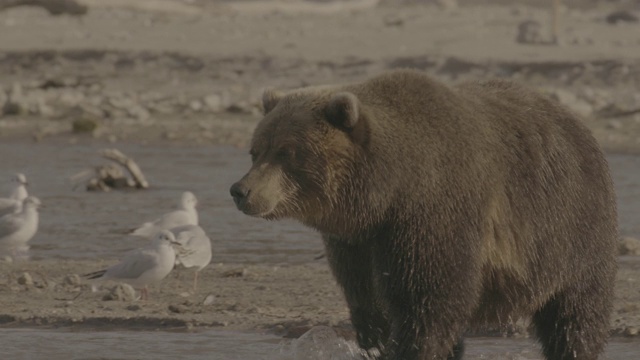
<point x="194" y="249"/>
<point x="16" y="229"/>
<point x="186" y="214"/>
<point x="143" y="266"/>
<point x="14" y="202"/>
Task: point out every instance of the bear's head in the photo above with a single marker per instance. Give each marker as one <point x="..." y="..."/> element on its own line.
<point x="303" y="152"/>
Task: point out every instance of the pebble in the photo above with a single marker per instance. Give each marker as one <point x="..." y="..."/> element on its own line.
<point x="629" y="246"/>
<point x="72" y="280"/>
<point x="121" y="292"/>
<point x="209" y="299"/>
<point x="25" y="279"/>
<point x="631" y="331"/>
<point x="213" y="103"/>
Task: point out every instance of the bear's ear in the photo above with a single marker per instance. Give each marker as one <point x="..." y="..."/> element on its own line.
<point x="343" y="110"/>
<point x="270" y="98"/>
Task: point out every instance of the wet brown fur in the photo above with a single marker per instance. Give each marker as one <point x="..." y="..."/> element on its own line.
<point x="444" y="208"/>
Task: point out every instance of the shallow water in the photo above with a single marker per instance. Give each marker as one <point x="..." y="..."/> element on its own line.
<point x="80" y="224"/>
<point x="61" y="344"/>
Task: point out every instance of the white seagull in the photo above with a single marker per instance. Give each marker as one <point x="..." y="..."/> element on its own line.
<point x="143" y="266"/>
<point x="14" y="202"/>
<point x="16" y="229"/>
<point x="186" y="214"/>
<point x="194" y="249"/>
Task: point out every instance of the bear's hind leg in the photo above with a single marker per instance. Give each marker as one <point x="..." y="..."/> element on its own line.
<point x="574" y="323"/>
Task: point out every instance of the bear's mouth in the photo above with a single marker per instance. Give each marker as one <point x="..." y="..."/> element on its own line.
<point x="258" y="214"/>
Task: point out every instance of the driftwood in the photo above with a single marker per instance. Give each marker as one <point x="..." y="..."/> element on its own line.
<point x="53" y="7"/>
<point x="129" y="164"/>
<point x="112" y="175"/>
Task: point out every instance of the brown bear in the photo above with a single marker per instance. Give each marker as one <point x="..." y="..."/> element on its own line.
<point x="444" y="208"/>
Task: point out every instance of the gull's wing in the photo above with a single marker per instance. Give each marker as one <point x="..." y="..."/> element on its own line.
<point x="8" y="206"/>
<point x="133" y="265"/>
<point x="166" y="221"/>
<point x="9" y="224"/>
<point x="195" y="246"/>
<point x="173" y="219"/>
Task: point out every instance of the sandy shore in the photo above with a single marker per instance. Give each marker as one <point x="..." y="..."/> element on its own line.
<point x="193" y="73"/>
<point x="285" y="299"/>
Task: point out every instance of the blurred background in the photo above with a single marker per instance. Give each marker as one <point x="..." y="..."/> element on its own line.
<point x="169" y="67"/>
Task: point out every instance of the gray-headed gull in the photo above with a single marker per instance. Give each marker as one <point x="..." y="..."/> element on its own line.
<point x="17" y="228"/>
<point x="18" y="193"/>
<point x="186" y="214"/>
<point x="194" y="250"/>
<point x="144" y="266"/>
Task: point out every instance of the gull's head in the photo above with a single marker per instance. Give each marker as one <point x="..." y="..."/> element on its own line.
<point x="188" y="200"/>
<point x="20" y="179"/>
<point x="164" y="237"/>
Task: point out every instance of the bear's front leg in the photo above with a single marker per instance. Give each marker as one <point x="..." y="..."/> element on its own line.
<point x="351" y="266"/>
<point x="430" y="297"/>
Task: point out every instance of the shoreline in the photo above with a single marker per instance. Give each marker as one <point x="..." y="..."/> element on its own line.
<point x="284" y="300"/>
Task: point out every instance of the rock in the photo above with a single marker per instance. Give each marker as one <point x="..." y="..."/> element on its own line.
<point x="84" y="125"/>
<point x="121" y="292"/>
<point x="213" y="103"/>
<point x="59" y="82"/>
<point x="134" y="307"/>
<point x="195" y="105"/>
<point x="210" y="299"/>
<point x="447" y="5"/>
<point x="529" y="32"/>
<point x="629" y="246"/>
<point x="242" y="107"/>
<point x="572" y="101"/>
<point x="3" y="97"/>
<point x="178" y="309"/>
<point x="41" y="108"/>
<point x="16" y="103"/>
<point x="235" y="273"/>
<point x="631" y="331"/>
<point x="393" y="21"/>
<point x="25" y="279"/>
<point x="70" y="98"/>
<point x="597" y="98"/>
<point x="139" y="113"/>
<point x="72" y="280"/>
<point x="621" y="16"/>
<point x="614" y="124"/>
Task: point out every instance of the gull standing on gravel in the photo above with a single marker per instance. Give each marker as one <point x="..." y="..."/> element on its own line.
<point x="194" y="249"/>
<point x="144" y="266"/>
<point x="186" y="214"/>
<point x="16" y="229"/>
<point x="14" y="202"/>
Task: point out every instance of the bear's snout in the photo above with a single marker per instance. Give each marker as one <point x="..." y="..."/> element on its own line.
<point x="239" y="192"/>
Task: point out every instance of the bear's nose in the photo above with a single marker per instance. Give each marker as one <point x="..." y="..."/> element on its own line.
<point x="239" y="191"/>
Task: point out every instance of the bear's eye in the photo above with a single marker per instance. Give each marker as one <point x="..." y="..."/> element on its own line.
<point x="284" y="153"/>
<point x="254" y="155"/>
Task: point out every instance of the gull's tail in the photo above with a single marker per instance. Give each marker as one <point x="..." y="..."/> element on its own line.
<point x="95" y="274"/>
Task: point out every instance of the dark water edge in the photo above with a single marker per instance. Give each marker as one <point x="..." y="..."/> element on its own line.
<point x="60" y="344"/>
